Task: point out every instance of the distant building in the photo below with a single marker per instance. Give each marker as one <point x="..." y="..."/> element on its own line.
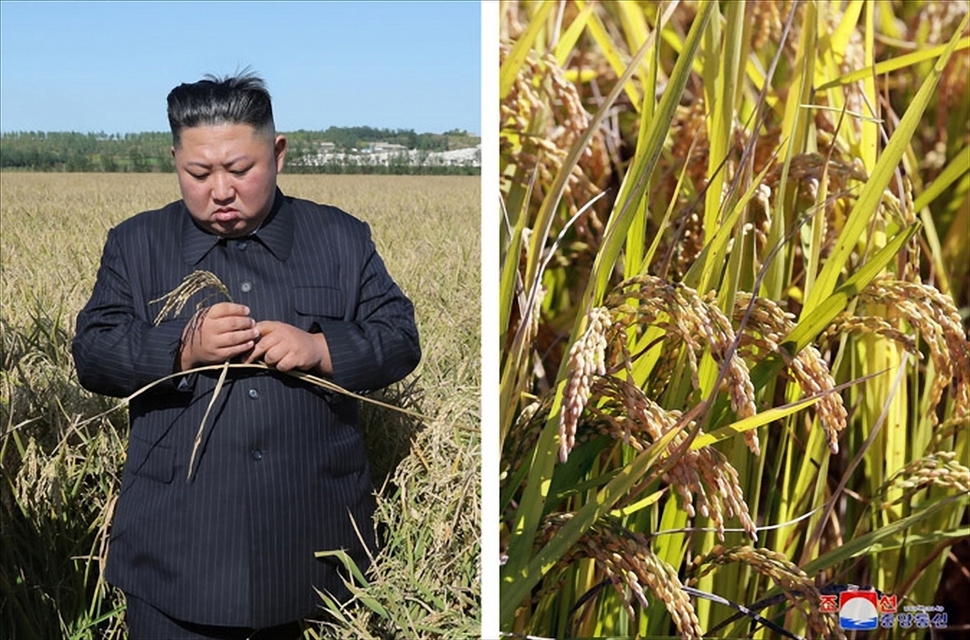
<point x="385" y="147"/>
<point x="384" y="153"/>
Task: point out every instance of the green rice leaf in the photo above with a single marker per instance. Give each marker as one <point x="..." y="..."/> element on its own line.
<point x="872" y="192"/>
<point x="636" y="180"/>
<point x="520" y="51"/>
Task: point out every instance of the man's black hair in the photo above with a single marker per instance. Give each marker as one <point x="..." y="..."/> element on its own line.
<point x="239" y="99"/>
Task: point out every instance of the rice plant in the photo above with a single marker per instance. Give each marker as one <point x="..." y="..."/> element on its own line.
<point x="735" y="372"/>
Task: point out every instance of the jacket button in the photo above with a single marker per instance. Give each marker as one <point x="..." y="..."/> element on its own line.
<point x="246" y="286"/>
<point x="257" y="454"/>
<point x="253" y="393"/>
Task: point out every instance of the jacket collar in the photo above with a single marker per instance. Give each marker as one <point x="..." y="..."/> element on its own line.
<point x="276" y="232"/>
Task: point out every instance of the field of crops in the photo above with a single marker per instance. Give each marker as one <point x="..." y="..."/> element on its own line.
<point x="60" y="471"/>
<point x="735" y="372"/>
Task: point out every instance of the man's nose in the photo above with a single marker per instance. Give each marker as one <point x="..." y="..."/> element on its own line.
<point x="222" y="188"/>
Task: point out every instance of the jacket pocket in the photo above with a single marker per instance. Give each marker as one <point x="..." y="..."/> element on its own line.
<point x="150" y="461"/>
<point x="315" y="303"/>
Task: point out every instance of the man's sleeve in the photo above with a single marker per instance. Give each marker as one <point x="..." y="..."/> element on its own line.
<point x="380" y="346"/>
<point x="116" y="352"/>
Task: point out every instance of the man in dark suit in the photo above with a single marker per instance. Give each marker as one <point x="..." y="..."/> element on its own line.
<point x="228" y="550"/>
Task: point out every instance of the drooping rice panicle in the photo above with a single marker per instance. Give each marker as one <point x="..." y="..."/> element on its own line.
<point x="691" y="318"/>
<point x="938" y="469"/>
<point x="542" y="81"/>
<point x="800" y="590"/>
<point x="626" y="559"/>
<point x="703" y="476"/>
<point x="586" y="359"/>
<point x="767" y="327"/>
<point x="848" y="323"/>
<point x="934" y="315"/>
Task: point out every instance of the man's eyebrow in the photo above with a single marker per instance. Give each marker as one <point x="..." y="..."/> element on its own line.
<point x="206" y="165"/>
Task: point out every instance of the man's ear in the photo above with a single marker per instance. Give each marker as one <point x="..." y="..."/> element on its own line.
<point x="279" y="150"/>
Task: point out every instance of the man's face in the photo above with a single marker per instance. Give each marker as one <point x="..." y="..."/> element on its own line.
<point x="227" y="174"/>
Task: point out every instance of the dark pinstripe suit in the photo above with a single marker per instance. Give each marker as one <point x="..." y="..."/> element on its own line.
<point x="283" y="467"/>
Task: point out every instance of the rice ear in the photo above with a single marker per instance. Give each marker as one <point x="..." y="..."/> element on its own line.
<point x="175" y="300"/>
<point x="197" y="281"/>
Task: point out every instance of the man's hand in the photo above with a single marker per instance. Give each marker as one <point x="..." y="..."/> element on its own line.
<point x="216" y="334"/>
<point x="285" y="347"/>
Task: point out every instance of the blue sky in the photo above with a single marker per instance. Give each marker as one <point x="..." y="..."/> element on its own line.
<point x="108" y="66"/>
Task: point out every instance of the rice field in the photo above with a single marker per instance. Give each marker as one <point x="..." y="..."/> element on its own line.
<point x="60" y="474"/>
<point x="735" y="367"/>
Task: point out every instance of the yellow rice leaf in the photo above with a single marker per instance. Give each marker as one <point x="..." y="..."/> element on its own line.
<point x="901" y="62"/>
<point x="639" y="505"/>
<point x="753" y="422"/>
<point x="610" y="51"/>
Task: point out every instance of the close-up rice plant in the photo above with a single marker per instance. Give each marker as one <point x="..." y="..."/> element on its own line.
<point x="735" y="369"/>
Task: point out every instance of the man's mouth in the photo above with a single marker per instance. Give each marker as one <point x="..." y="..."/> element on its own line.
<point x="225" y="214"/>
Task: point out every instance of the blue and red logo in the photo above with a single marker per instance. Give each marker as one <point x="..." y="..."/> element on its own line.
<point x="859" y="609"/>
<point x="868" y="609"/>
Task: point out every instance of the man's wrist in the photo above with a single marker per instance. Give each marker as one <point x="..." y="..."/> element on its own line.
<point x="323" y="366"/>
<point x="184" y="359"/>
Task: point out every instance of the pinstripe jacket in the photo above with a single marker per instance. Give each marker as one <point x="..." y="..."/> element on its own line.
<point x="282" y="472"/>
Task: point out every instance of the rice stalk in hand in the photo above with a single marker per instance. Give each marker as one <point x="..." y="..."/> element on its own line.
<point x="175" y="301"/>
<point x="305" y="377"/>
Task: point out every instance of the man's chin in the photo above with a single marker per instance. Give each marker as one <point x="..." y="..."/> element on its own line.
<point x="229" y="228"/>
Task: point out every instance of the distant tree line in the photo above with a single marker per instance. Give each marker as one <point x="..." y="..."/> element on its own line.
<point x="350" y="138"/>
<point x="150" y="152"/>
<point x="72" y="151"/>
